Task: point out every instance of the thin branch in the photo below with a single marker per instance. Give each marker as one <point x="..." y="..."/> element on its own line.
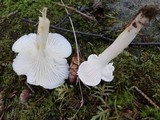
<point x="115" y="106"/>
<point x="102" y="36"/>
<point x="145" y="43"/>
<point x="146" y="97"/>
<point x="79" y="12"/>
<point x="39" y="99"/>
<point x="78" y="57"/>
<point x="5" y="109"/>
<point x="63" y="20"/>
<point x="77" y="49"/>
<point x="10" y="14"/>
<point x="2" y="18"/>
<point x="29" y="87"/>
<point x="70" y="31"/>
<point x="1" y="117"/>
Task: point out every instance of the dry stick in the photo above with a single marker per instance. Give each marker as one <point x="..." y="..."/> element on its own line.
<point x="39" y="99"/>
<point x="71" y="31"/>
<point x="63" y="20"/>
<point x="10" y="14"/>
<point x="102" y="36"/>
<point x="77" y="11"/>
<point x="1" y="116"/>
<point x="29" y="87"/>
<point x="115" y="107"/>
<point x="6" y="108"/>
<point x="66" y="17"/>
<point x="146" y="97"/>
<point x="77" y="50"/>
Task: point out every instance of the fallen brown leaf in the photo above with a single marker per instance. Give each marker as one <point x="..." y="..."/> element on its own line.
<point x="74" y="68"/>
<point x="24" y="96"/>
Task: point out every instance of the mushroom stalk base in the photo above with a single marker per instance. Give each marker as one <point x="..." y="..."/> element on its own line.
<point x="125" y="38"/>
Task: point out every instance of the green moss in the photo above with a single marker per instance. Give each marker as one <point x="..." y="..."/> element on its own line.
<point x="137" y="65"/>
<point x="150" y="112"/>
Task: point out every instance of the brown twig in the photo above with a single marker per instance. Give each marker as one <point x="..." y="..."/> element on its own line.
<point x="6" y="16"/>
<point x="101" y="36"/>
<point x="29" y="87"/>
<point x="39" y="99"/>
<point x="78" y="60"/>
<point x="5" y="109"/>
<point x="146" y="97"/>
<point x="1" y="116"/>
<point x="79" y="12"/>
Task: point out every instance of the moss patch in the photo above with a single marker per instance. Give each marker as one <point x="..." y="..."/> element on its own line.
<point x="137" y="65"/>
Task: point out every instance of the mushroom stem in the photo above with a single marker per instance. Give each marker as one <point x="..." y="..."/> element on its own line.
<point x="43" y="30"/>
<point x="125" y="38"/>
<point x="44" y="12"/>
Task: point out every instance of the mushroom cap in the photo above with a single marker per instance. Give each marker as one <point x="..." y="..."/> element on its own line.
<point x="26" y="43"/>
<point x="56" y="45"/>
<point x="47" y="68"/>
<point x="107" y="73"/>
<point x="92" y="71"/>
<point x="88" y="71"/>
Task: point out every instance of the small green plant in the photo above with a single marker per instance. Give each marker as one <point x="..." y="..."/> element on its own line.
<point x="102" y="114"/>
<point x="137" y="65"/>
<point x="122" y="102"/>
<point x="152" y="112"/>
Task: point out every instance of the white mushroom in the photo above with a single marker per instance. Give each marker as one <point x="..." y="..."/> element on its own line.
<point x="42" y="56"/>
<point x="98" y="67"/>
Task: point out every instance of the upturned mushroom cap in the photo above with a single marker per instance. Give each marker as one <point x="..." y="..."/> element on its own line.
<point x="47" y="68"/>
<point x="92" y="71"/>
<point x="41" y="56"/>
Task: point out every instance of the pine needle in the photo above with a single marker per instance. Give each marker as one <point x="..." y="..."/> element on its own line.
<point x="146" y="97"/>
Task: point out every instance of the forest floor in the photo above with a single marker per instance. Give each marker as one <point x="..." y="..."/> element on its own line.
<point x="136" y="75"/>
